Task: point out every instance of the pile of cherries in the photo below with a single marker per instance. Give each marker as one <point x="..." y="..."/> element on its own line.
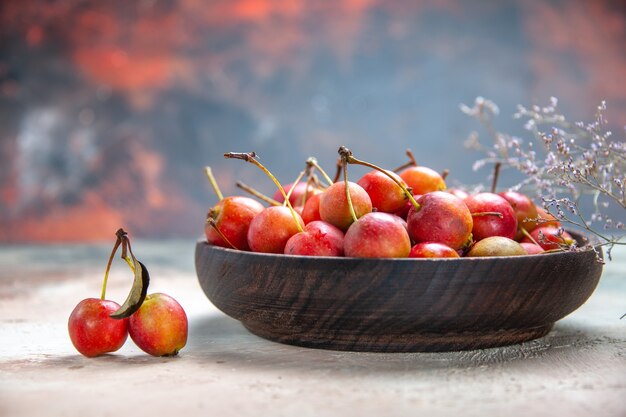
<point x="386" y="214"/>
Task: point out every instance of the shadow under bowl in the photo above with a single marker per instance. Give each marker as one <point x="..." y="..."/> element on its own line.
<point x="396" y="305"/>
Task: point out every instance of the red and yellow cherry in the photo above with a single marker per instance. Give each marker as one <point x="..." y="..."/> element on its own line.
<point x="524" y="208"/>
<point x="319" y="238"/>
<point x="232" y="216"/>
<point x="160" y="326"/>
<point x="92" y="331"/>
<point x="442" y="218"/>
<point x="493" y="216"/>
<point x="270" y="230"/>
<point x="550" y="237"/>
<point x="377" y="235"/>
<point x="334" y="207"/>
<point x="384" y="192"/>
<point x="432" y="250"/>
<point x="422" y="180"/>
<point x="496" y="246"/>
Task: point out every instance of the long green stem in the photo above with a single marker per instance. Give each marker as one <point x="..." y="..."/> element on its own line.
<point x="213" y="224"/>
<point x="251" y="157"/>
<point x="119" y="234"/>
<point x="293" y="186"/>
<point x="257" y="194"/>
<point x="346" y="154"/>
<point x="312" y="161"/>
<point x="411" y="163"/>
<point x="348" y="197"/>
<point x="528" y="235"/>
<point x="216" y="188"/>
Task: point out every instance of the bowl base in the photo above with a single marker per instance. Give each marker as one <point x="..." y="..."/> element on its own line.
<point x="416" y="342"/>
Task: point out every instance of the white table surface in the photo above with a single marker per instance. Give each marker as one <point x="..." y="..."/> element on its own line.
<point x="579" y="369"/>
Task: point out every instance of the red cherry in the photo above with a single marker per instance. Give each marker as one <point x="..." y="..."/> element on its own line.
<point x="549" y="237"/>
<point x="486" y="225"/>
<point x="524" y="208"/>
<point x="432" y="250"/>
<point x="531" y="248"/>
<point x="442" y="218"/>
<point x="311" y="209"/>
<point x="377" y="235"/>
<point x="385" y="194"/>
<point x="270" y="230"/>
<point x="91" y="329"/>
<point x="319" y="238"/>
<point x="232" y="216"/>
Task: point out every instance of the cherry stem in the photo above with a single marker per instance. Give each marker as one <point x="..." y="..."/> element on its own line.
<point x="121" y="239"/>
<point x="313" y="162"/>
<point x="305" y="196"/>
<point x="293" y="185"/>
<point x="251" y="157"/>
<point x="257" y="194"/>
<point x="346" y="155"/>
<point x="412" y="162"/>
<point x="528" y="235"/>
<point x="496" y="174"/>
<point x="348" y="197"/>
<point x="216" y="188"/>
<point x="338" y="171"/>
<point x="211" y="221"/>
<point x="488" y="213"/>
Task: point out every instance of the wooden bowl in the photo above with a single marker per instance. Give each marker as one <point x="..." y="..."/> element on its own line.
<point x="396" y="305"/>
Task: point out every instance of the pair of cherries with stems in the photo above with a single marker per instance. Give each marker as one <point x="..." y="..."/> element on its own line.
<point x="156" y="323"/>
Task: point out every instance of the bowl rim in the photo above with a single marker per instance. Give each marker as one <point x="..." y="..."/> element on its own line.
<point x="577" y="235"/>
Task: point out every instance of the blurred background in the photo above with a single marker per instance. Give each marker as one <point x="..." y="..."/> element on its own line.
<point x="109" y="110"/>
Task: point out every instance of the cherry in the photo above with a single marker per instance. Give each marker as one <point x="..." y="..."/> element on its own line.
<point x="432" y="250"/>
<point x="423" y="180"/>
<point x="311" y="209"/>
<point x="532" y="248"/>
<point x="493" y="216"/>
<point x="319" y="238"/>
<point x="384" y="192"/>
<point x="496" y="246"/>
<point x="550" y="237"/>
<point x="334" y="208"/>
<point x="524" y="209"/>
<point x="160" y="326"/>
<point x="440" y="217"/>
<point x="92" y="331"/>
<point x="228" y="221"/>
<point x="377" y="235"/>
<point x="232" y="217"/>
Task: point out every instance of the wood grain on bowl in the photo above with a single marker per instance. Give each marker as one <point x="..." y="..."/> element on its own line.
<point x="396" y="305"/>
